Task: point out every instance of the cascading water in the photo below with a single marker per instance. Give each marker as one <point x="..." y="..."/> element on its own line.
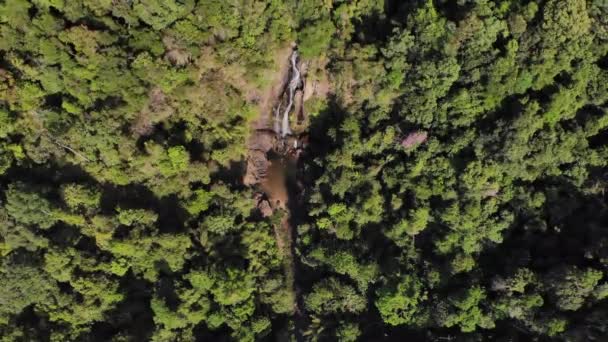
<point x="281" y="126"/>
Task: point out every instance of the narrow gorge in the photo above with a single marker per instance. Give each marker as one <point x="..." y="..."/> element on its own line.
<point x="274" y="150"/>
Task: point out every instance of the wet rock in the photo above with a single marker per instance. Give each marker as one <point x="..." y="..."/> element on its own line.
<point x="298" y="101"/>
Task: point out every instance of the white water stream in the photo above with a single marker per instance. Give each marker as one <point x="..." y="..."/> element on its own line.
<point x="281" y="127"/>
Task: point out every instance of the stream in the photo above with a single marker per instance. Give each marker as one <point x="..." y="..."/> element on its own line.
<point x="281" y="126"/>
<point x="272" y="168"/>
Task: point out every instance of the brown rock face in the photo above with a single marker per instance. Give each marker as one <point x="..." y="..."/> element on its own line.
<point x="259" y="144"/>
<point x="262" y="140"/>
<point x="257" y="167"/>
<point x="265" y="208"/>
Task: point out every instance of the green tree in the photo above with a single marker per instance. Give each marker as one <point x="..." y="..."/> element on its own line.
<point x="23" y="286"/>
<point x="467" y="313"/>
<point x="80" y="196"/>
<point x="402" y="303"/>
<point x="315" y="38"/>
<point x="331" y="296"/>
<point x="571" y="286"/>
<point x="159" y="14"/>
<point x="26" y="206"/>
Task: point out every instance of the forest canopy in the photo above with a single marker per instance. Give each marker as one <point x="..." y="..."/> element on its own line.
<point x="444" y="177"/>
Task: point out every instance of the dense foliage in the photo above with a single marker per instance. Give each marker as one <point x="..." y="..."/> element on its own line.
<point x="454" y="185"/>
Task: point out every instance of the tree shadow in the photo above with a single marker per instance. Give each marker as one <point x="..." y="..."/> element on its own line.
<point x="571" y="225"/>
<point x="171" y="216"/>
<point x="132" y="315"/>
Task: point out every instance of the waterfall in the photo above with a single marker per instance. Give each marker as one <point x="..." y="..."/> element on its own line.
<point x="293" y="85"/>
